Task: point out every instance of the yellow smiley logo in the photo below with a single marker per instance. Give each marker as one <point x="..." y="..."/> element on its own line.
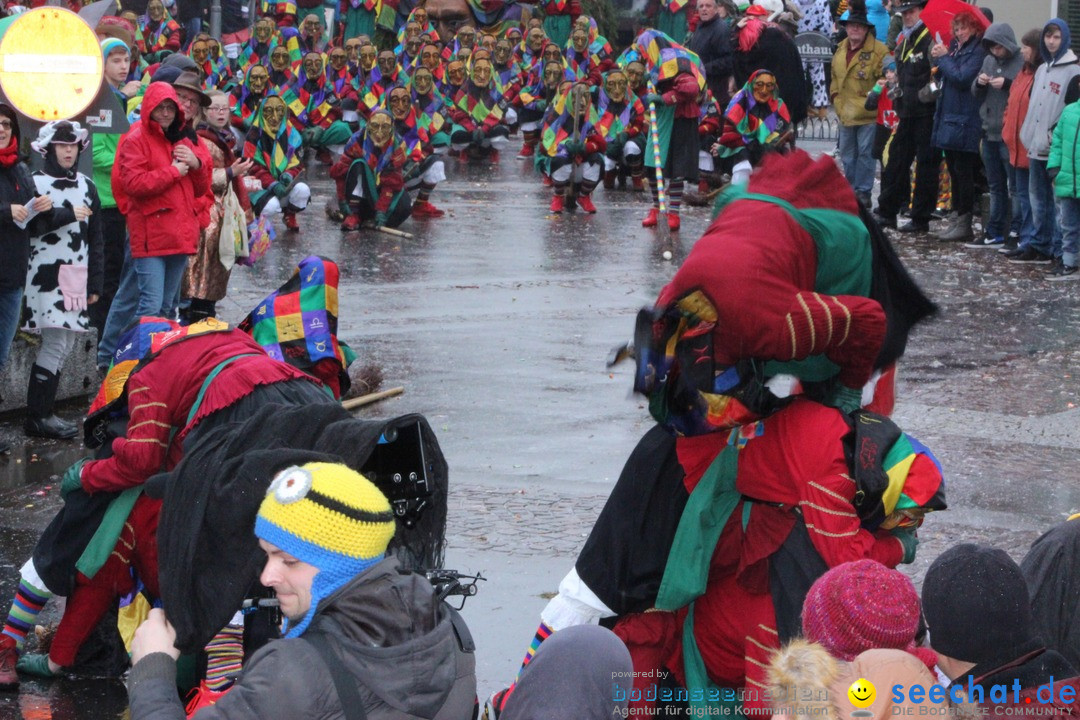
<point x="862" y="693"/>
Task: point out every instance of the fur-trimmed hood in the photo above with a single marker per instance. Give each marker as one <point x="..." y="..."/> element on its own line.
<point x="816" y="684"/>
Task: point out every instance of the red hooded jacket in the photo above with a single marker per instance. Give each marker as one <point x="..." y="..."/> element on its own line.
<point x="164" y="210"/>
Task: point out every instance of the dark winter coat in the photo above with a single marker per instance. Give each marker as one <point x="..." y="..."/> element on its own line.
<point x="772" y="50"/>
<point x="957" y="125"/>
<point x="17" y="187"/>
<point x="164" y="210"/>
<point x="913" y="73"/>
<point x="993" y="100"/>
<point x="389" y="631"/>
<point x="712" y="42"/>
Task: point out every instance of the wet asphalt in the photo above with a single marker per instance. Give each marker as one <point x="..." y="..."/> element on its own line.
<point x="497" y="319"/>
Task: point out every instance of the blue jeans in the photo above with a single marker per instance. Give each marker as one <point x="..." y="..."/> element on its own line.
<point x="857" y="155"/>
<point x="10" y="314"/>
<point x="1047" y="239"/>
<point x="159" y="284"/>
<point x="1001" y="181"/>
<point x="1022" y="210"/>
<point x="121" y="311"/>
<point x="1069" y="212"/>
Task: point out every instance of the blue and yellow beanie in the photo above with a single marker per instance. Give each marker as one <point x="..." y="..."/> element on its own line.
<point x="329" y="516"/>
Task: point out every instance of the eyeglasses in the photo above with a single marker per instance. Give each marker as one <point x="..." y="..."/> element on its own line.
<point x="5" y="124"/>
<point x="217" y="109"/>
<point x="765" y="85"/>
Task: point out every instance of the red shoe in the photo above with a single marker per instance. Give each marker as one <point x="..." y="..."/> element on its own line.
<point x="557" y="204"/>
<point x="351" y="224"/>
<point x="639" y="183"/>
<point x="546" y="180"/>
<point x="289" y="218"/>
<point x="585" y="203"/>
<point x="652" y="218"/>
<point x="9" y="654"/>
<point x="526" y="151"/>
<point x="673" y="221"/>
<point x="202" y="697"/>
<point x="424" y="209"/>
<point x="324" y="156"/>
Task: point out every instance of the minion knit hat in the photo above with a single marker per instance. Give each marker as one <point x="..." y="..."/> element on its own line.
<point x="329" y="516"/>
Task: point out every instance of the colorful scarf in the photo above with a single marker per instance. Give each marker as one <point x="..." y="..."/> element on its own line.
<point x="614" y="117"/>
<point x="310" y="100"/>
<point x="753" y="126"/>
<point x="277" y="154"/>
<point x="559" y="124"/>
<point x="479" y="103"/>
<point x="157" y="37"/>
<point x="579" y="63"/>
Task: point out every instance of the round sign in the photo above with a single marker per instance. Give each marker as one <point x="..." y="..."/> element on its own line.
<point x="50" y="64"/>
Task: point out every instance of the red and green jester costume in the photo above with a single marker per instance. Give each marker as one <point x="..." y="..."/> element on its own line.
<point x="740" y="497"/>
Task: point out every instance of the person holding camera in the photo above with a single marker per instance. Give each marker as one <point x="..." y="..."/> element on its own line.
<point x="856" y="68"/>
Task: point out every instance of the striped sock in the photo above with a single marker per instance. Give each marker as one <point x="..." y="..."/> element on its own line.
<point x="542" y="634"/>
<point x="654" y="188"/>
<point x="674" y="198"/>
<point x="224" y="656"/>
<point x="22" y="616"/>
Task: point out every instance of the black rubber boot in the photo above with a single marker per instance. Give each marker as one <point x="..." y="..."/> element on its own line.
<point x="40" y="401"/>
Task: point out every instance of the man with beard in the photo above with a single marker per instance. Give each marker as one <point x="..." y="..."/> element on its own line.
<point x="370" y="176"/>
<point x="420" y="132"/>
<point x="576" y="147"/>
<point x="621" y="120"/>
<point x="316" y="109"/>
<point x="275" y="147"/>
<point x="478" y="115"/>
<point x="711" y="40"/>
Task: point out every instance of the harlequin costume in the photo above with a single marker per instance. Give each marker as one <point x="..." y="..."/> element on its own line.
<point x="710" y="123"/>
<point x="741" y="496"/>
<point x="622" y="123"/>
<point x="478" y="112"/>
<point x="426" y="140"/>
<point x="214" y="71"/>
<point x="316" y="109"/>
<point x="282" y="11"/>
<point x="172" y="384"/>
<point x="282" y="70"/>
<point x="582" y="62"/>
<point x="679" y="80"/>
<point x="370" y="175"/>
<point x="672" y="17"/>
<point x="534" y="100"/>
<point x="158" y="31"/>
<point x="275" y="147"/>
<point x="246" y="98"/>
<point x="575" y="146"/>
<point x="756" y="121"/>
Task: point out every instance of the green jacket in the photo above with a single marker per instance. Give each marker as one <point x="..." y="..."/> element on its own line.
<point x="852" y="82"/>
<point x="104" y="148"/>
<point x="1065" y="152"/>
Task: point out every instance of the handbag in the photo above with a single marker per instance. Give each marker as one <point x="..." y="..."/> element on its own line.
<point x="261" y="236"/>
<point x="233" y="240"/>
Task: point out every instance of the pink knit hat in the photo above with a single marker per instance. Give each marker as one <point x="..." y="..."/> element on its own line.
<point x="861" y="605"/>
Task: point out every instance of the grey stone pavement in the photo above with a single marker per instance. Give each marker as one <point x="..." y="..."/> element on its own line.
<point x="497" y="320"/>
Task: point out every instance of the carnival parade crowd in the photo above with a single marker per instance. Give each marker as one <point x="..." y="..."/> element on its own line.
<point x="748" y="553"/>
